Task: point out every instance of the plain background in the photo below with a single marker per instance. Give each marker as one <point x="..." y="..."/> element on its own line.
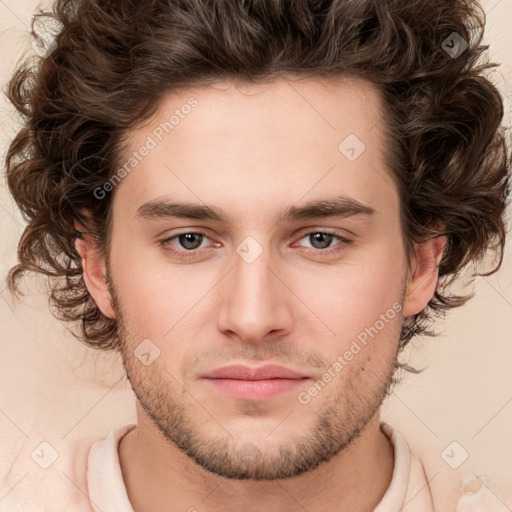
<point x="54" y="389"/>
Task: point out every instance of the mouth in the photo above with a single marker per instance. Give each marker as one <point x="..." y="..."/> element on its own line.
<point x="248" y="383"/>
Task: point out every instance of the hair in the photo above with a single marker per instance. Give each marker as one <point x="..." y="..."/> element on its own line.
<point x="112" y="62"/>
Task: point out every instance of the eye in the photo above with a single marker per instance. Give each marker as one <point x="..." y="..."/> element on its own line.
<point x="321" y="240"/>
<point x="190" y="241"/>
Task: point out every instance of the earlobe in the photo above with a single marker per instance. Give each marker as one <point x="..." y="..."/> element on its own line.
<point x="94" y="272"/>
<point x="423" y="281"/>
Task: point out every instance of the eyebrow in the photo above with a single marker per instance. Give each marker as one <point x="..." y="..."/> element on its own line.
<point x="339" y="207"/>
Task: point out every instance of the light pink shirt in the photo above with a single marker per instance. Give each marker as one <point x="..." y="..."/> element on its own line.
<point x="408" y="489"/>
<point x="86" y="477"/>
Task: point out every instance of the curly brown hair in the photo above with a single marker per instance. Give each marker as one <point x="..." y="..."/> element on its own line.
<point x="113" y="60"/>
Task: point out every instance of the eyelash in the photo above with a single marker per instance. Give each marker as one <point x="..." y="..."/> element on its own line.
<point x="192" y="253"/>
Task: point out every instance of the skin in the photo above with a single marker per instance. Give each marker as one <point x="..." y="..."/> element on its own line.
<point x="254" y="150"/>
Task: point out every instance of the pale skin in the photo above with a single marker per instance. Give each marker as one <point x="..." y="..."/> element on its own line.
<point x="253" y="151"/>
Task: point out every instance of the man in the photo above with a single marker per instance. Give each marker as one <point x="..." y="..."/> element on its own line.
<point x="260" y="204"/>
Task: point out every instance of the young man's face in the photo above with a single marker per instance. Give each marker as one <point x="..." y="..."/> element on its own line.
<point x="255" y="290"/>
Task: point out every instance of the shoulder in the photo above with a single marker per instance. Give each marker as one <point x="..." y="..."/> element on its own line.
<point x="51" y="475"/>
<point x="451" y="485"/>
<point x="94" y="468"/>
<point x="47" y="476"/>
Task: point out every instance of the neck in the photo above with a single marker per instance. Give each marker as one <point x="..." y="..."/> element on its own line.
<point x="156" y="473"/>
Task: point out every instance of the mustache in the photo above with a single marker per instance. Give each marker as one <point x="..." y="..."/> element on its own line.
<point x="275" y="352"/>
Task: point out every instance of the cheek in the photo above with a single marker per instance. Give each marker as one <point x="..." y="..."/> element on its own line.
<point x="352" y="294"/>
<point x="360" y="303"/>
<point x="142" y="290"/>
<point x="158" y="298"/>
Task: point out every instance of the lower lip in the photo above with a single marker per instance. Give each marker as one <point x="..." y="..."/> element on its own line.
<point x="255" y="389"/>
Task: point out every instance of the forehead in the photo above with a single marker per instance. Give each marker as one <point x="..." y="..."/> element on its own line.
<point x="253" y="146"/>
<point x="325" y="109"/>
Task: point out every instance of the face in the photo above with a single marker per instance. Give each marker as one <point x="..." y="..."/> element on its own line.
<point x="318" y="293"/>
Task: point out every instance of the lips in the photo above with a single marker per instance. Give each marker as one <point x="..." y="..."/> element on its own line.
<point x="267" y="372"/>
<point x="246" y="383"/>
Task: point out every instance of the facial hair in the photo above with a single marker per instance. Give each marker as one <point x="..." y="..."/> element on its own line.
<point x="172" y="409"/>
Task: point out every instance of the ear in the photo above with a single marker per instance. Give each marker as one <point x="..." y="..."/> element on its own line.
<point x="422" y="282"/>
<point x="94" y="271"/>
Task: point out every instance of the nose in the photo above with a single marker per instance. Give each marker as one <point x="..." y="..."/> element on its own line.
<point x="255" y="300"/>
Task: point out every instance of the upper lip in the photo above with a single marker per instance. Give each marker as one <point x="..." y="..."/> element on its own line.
<point x="240" y="372"/>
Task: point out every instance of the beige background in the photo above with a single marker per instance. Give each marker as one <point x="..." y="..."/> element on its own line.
<point x="54" y="389"/>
